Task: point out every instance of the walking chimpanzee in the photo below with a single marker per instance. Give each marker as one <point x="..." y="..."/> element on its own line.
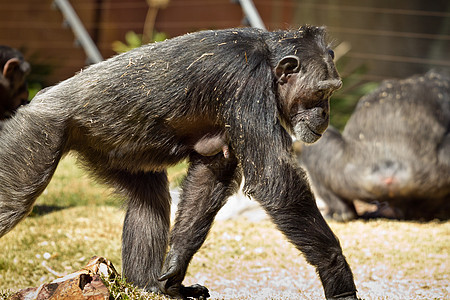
<point x="237" y="91"/>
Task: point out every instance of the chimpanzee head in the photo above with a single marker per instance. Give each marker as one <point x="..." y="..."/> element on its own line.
<point x="13" y="87"/>
<point x="306" y="79"/>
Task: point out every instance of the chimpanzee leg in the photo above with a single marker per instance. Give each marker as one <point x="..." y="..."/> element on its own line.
<point x="288" y="200"/>
<point x="210" y="181"/>
<point x="146" y="226"/>
<point x="31" y="147"/>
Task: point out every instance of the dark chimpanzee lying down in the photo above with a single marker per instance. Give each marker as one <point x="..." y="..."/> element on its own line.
<point x="395" y="148"/>
<point x="236" y="91"/>
<point x="13" y="87"/>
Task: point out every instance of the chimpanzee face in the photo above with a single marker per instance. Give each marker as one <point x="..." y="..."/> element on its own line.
<point x="304" y="90"/>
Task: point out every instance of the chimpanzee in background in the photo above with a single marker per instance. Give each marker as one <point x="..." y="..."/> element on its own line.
<point x="395" y="148"/>
<point x="13" y="87"/>
<point x="236" y="91"/>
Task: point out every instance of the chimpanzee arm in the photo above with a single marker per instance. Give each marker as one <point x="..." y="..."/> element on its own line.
<point x="210" y="181"/>
<point x="292" y="207"/>
<point x="274" y="179"/>
<point x="284" y="192"/>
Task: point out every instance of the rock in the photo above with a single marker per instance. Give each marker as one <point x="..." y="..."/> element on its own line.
<point x="83" y="284"/>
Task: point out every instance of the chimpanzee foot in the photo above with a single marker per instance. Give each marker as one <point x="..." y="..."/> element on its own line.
<point x="179" y="291"/>
<point x="340" y="216"/>
<point x="384" y="210"/>
<point x="338" y="209"/>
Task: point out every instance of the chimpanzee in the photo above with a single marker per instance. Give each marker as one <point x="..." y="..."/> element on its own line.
<point x="239" y="91"/>
<point x="395" y="150"/>
<point x="13" y="87"/>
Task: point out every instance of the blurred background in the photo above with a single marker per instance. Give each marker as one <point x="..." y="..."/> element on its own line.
<point x="376" y="39"/>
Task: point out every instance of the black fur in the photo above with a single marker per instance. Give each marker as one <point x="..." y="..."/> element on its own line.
<point x="135" y="114"/>
<point x="395" y="149"/>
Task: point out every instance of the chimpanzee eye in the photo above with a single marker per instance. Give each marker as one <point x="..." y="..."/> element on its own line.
<point x="331" y="53"/>
<point x="320" y="93"/>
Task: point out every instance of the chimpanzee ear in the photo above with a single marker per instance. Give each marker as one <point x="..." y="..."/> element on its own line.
<point x="15" y="71"/>
<point x="11" y="67"/>
<point x="287" y="65"/>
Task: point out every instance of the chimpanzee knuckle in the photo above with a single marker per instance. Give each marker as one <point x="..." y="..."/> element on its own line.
<point x="166" y="275"/>
<point x="196" y="291"/>
<point x="344" y="298"/>
<point x="171" y="273"/>
<point x="174" y="291"/>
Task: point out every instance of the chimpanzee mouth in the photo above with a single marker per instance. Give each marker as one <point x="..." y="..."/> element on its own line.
<point x="304" y="133"/>
<point x="316" y="133"/>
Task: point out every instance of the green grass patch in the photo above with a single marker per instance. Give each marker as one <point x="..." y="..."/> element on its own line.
<point x="120" y="289"/>
<point x="72" y="186"/>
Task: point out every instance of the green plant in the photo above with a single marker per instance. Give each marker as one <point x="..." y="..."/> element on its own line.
<point x="33" y="89"/>
<point x="120" y="289"/>
<point x="134" y="40"/>
<point x="343" y="102"/>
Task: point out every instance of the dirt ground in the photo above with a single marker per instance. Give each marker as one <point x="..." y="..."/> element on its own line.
<point x="242" y="258"/>
<point x="389" y="259"/>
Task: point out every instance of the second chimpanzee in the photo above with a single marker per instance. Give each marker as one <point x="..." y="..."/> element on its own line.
<point x="13" y="87"/>
<point x="395" y="150"/>
<point x="236" y="91"/>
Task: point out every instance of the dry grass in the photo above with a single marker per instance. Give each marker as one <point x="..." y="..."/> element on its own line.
<point x="239" y="260"/>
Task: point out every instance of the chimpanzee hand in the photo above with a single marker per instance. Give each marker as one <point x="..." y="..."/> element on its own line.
<point x="196" y="291"/>
<point x="345" y="296"/>
<point x="173" y="273"/>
